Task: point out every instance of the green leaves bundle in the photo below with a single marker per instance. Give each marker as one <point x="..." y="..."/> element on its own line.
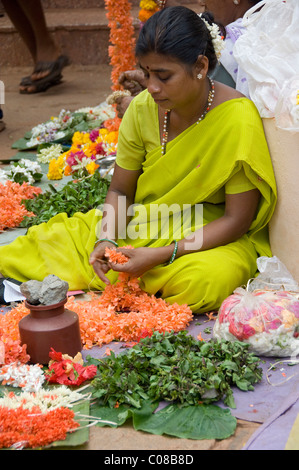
<point x="81" y="196"/>
<point x="178" y="368"/>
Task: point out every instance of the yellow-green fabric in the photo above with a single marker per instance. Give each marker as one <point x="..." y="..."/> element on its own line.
<point x="193" y="174"/>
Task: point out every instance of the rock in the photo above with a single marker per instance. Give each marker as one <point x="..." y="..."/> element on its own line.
<point x="51" y="290"/>
<point x="31" y="290"/>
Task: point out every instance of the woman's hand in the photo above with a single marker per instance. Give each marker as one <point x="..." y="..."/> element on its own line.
<point x="99" y="260"/>
<point x="141" y="260"/>
<point x="133" y="81"/>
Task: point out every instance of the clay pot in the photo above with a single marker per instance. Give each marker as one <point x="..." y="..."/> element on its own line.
<point x="50" y="326"/>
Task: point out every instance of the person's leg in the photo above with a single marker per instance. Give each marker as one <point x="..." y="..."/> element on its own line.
<point x="46" y="49"/>
<point x="22" y="24"/>
<point x="204" y="279"/>
<point x="29" y="20"/>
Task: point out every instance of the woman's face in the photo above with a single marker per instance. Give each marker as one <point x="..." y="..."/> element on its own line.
<point x="169" y="82"/>
<point x="223" y="10"/>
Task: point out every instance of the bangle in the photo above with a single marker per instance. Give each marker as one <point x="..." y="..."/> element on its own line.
<point x="174" y="252"/>
<point x="106" y="240"/>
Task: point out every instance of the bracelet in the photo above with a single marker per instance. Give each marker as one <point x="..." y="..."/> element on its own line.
<point x="106" y="240"/>
<point x="174" y="252"/>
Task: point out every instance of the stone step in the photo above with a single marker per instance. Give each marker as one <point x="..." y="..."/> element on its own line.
<point x="81" y="32"/>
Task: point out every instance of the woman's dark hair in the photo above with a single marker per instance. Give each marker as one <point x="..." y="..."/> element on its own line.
<point x="177" y="32"/>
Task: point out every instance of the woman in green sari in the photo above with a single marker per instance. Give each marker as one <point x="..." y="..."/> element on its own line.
<point x="193" y="188"/>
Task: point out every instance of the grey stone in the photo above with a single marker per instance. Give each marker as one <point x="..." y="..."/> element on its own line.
<point x="53" y="290"/>
<point x="31" y="290"/>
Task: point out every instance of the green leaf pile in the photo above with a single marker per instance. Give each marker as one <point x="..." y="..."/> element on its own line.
<point x="176" y="368"/>
<point x="80" y="196"/>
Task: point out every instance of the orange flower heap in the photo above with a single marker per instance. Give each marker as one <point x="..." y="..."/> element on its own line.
<point x="124" y="312"/>
<point x="12" y="211"/>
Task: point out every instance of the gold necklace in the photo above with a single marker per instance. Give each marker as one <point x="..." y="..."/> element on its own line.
<point x="167" y="113"/>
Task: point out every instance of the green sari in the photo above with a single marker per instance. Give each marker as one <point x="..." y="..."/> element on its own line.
<point x="195" y="173"/>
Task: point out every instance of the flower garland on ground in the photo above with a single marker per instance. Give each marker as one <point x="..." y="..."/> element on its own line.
<point x="21" y="428"/>
<point x="12" y="211"/>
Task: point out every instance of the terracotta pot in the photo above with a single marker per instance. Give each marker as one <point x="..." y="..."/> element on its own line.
<point x="50" y="326"/>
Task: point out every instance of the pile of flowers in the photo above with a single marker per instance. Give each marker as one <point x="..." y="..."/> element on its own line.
<point x="147" y="9"/>
<point x="267" y="320"/>
<point x="81" y="159"/>
<point x="124" y="312"/>
<point x="63" y="126"/>
<point x="12" y="211"/>
<point x="12" y="351"/>
<point x="24" y="171"/>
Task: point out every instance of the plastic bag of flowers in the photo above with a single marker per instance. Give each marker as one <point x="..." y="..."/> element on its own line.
<point x="268" y="320"/>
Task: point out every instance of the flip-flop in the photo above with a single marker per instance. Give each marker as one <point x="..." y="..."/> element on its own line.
<point x="42" y="85"/>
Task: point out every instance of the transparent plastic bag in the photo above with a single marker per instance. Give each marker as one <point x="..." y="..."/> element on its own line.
<point x="287" y="108"/>
<point x="265" y="315"/>
<point x="268" y="51"/>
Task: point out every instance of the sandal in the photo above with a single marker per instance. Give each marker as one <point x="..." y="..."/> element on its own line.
<point x="41" y="85"/>
<point x="53" y="78"/>
<point x="51" y="67"/>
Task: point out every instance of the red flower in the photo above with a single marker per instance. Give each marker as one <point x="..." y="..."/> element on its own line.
<point x="66" y="371"/>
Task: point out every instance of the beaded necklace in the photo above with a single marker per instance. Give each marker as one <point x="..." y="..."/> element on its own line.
<point x="167" y="114"/>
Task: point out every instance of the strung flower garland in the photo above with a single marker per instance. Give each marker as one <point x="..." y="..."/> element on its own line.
<point x="30" y="428"/>
<point x="122" y="38"/>
<point x="12" y="211"/>
<point x="44" y="399"/>
<point x="28" y="377"/>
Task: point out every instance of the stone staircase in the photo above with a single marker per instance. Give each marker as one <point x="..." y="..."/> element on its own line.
<point x="80" y="27"/>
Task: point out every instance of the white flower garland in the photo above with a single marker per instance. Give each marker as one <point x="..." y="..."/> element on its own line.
<point x="45" y="399"/>
<point x="29" y="377"/>
<point x="218" y="42"/>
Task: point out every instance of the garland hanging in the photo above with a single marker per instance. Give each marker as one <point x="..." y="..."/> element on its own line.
<point x="122" y="38"/>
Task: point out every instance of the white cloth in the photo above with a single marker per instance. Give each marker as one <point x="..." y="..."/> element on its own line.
<point x="233" y="32"/>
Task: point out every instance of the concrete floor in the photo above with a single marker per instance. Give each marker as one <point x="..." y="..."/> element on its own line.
<point x="89" y="86"/>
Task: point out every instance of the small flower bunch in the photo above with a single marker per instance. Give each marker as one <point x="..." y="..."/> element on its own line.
<point x="46" y="154"/>
<point x="87" y="148"/>
<point x="52" y="130"/>
<point x="69" y="371"/>
<point x="147" y="9"/>
<point x="217" y="38"/>
<point x="25" y="171"/>
<point x="29" y="377"/>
